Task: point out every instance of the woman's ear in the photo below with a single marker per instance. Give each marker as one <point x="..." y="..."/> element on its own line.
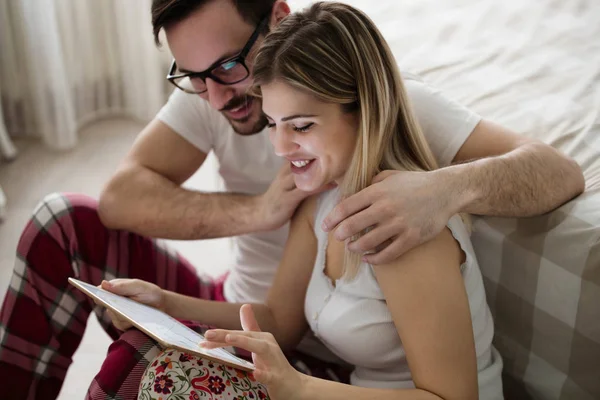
<point x="281" y="9"/>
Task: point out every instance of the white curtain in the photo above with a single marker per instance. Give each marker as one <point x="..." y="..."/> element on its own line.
<point x="64" y="63"/>
<point x="7" y="149"/>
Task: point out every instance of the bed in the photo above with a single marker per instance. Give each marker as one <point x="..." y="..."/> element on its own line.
<point x="534" y="67"/>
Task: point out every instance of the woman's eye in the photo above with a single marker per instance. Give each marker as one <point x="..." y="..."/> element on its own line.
<point x="269" y="125"/>
<point x="303" y="128"/>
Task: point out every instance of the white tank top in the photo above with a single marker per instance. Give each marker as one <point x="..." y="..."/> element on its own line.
<point x="351" y="318"/>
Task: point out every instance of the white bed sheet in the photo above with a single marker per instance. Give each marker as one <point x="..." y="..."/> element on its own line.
<point x="532" y="66"/>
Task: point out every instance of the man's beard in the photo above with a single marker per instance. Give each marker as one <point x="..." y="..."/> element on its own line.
<point x="240" y="125"/>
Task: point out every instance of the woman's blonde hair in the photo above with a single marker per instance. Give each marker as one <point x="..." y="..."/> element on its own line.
<point x="335" y="52"/>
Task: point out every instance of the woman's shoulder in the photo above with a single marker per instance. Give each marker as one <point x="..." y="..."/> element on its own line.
<point x="311" y="208"/>
<point x="446" y="249"/>
<point x="317" y="206"/>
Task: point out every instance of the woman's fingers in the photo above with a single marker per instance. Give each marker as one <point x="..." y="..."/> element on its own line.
<point x="248" y="319"/>
<point x="255" y="342"/>
<point x="209" y="345"/>
<point x="119" y="323"/>
<point x="218" y="335"/>
<point x="259" y="346"/>
<point x="125" y="287"/>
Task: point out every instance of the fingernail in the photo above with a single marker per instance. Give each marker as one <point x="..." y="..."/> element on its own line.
<point x="210" y="334"/>
<point x="229" y="338"/>
<point x="364" y="259"/>
<point x="107" y="283"/>
<point x="324" y="226"/>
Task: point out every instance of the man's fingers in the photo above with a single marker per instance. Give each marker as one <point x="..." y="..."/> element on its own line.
<point x="288" y="182"/>
<point x="384" y="174"/>
<point x="351" y="205"/>
<point x="391" y="252"/>
<point x="374" y="240"/>
<point x="299" y="195"/>
<point x="355" y="224"/>
<point x="286" y="178"/>
<point x="285" y="169"/>
<point x="248" y="319"/>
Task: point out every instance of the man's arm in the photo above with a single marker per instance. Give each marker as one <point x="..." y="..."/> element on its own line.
<point x="510" y="175"/>
<point x="145" y="196"/>
<point x="283" y="312"/>
<point x="496" y="172"/>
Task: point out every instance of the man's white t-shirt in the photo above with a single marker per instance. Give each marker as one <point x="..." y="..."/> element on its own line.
<point x="248" y="164"/>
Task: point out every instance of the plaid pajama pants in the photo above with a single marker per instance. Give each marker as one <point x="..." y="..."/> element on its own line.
<point x="43" y="317"/>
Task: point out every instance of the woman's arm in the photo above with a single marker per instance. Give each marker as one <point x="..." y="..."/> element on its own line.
<point x="283" y="313"/>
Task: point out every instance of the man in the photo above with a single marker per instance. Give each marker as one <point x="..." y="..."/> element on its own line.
<point x="213" y="43"/>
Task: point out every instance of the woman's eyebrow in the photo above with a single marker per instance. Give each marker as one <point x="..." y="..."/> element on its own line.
<point x="298" y="116"/>
<point x="292" y="116"/>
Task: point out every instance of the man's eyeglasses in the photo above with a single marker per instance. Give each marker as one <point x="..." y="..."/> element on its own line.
<point x="228" y="72"/>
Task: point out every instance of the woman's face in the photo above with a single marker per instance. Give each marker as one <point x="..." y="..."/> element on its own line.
<point x="317" y="138"/>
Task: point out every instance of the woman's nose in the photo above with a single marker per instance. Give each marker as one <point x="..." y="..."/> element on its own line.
<point x="283" y="142"/>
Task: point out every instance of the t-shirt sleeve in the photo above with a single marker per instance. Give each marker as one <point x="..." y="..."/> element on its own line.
<point x="188" y="115"/>
<point x="446" y="124"/>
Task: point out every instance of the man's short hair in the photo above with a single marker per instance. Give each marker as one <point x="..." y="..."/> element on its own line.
<point x="166" y="13"/>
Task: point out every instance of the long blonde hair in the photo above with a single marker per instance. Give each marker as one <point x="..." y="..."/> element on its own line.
<point x="335" y="52"/>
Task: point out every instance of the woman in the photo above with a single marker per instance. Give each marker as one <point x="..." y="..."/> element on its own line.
<point x="417" y="328"/>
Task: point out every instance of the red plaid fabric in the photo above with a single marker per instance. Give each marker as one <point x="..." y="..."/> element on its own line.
<point x="43" y="318"/>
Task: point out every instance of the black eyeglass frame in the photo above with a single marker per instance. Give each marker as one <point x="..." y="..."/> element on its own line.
<point x="239" y="58"/>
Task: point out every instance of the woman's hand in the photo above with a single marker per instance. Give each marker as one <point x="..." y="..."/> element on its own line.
<point x="272" y="368"/>
<point x="138" y="290"/>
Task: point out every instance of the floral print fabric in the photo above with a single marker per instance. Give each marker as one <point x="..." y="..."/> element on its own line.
<point x="175" y="375"/>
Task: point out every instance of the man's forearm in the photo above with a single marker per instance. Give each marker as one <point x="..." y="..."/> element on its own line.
<point x="141" y="201"/>
<point x="528" y="181"/>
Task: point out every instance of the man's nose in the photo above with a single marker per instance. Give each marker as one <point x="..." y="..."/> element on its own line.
<point x="218" y="95"/>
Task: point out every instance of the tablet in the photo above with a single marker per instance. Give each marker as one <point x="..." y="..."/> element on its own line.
<point x="166" y="330"/>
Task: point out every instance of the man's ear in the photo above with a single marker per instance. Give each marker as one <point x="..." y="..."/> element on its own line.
<point x="281" y="9"/>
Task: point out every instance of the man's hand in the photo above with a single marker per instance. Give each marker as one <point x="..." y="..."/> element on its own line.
<point x="138" y="290"/>
<point x="278" y="203"/>
<point x="402" y="210"/>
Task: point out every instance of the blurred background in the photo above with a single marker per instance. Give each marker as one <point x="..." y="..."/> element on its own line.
<point x="80" y="78"/>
